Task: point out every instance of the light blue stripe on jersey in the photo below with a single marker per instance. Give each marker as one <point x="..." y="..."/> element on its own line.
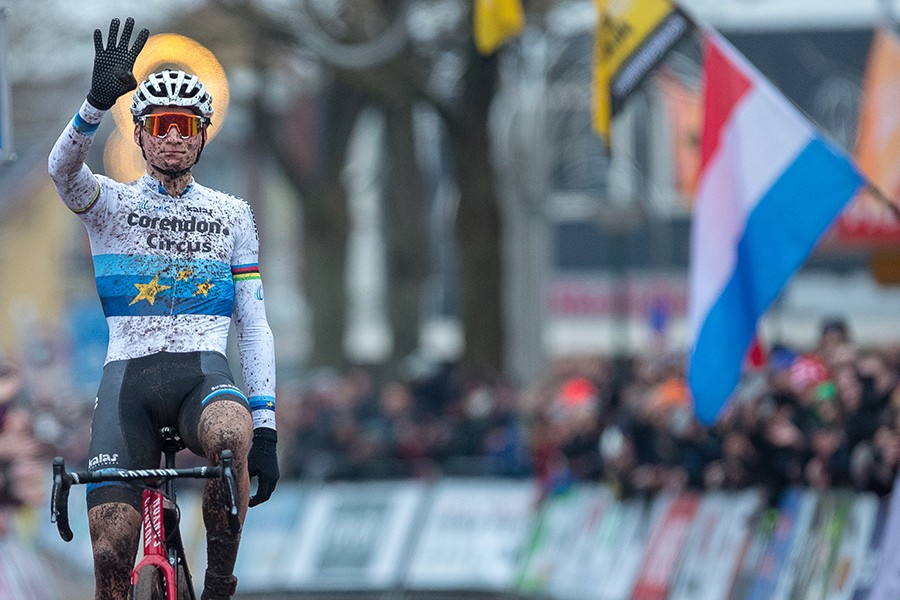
<point x="257" y="402"/>
<point x="143" y="264"/>
<point x="143" y="285"/>
<point x="83" y="126"/>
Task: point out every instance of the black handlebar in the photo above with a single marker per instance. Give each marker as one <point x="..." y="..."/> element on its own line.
<point x="59" y="499"/>
<point x="63" y="481"/>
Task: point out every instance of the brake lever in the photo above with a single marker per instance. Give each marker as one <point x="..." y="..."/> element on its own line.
<point x="59" y="499"/>
<point x="231" y="508"/>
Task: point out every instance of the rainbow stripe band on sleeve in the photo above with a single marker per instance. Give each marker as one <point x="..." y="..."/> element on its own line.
<point x="90" y="205"/>
<point x="245" y="272"/>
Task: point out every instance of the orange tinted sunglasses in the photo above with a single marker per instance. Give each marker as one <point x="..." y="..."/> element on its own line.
<point x="158" y="125"/>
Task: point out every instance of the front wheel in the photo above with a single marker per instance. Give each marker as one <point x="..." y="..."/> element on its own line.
<point x="151" y="585"/>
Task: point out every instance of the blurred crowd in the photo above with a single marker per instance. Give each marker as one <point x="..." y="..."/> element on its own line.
<point x="823" y="417"/>
<point x="24" y="456"/>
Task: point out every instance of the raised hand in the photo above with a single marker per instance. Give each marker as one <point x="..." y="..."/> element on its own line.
<point x="112" y="76"/>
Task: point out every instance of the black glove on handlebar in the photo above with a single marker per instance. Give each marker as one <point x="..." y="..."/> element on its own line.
<point x="112" y="76"/>
<point x="262" y="463"/>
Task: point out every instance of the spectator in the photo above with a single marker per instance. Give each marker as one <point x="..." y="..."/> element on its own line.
<point x="834" y="336"/>
<point x="23" y="458"/>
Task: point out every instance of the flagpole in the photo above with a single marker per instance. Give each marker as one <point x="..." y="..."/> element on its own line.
<point x="881" y="197"/>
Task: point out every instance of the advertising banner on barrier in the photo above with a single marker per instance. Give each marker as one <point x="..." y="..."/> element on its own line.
<point x="804" y="537"/>
<point x="609" y="553"/>
<point x="272" y="534"/>
<point x="487" y="535"/>
<point x="887" y="577"/>
<point x="773" y="575"/>
<point x="573" y="577"/>
<point x="865" y="581"/>
<point x="551" y="545"/>
<point x="815" y="558"/>
<point x="24" y="575"/>
<point x="715" y="544"/>
<point x="853" y="548"/>
<point x="658" y="568"/>
<point x="354" y="536"/>
<point x="760" y="537"/>
<point x="472" y="535"/>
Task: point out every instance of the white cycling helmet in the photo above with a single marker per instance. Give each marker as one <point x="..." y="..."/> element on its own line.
<point x="172" y="88"/>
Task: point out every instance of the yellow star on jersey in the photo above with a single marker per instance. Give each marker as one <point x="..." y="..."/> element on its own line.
<point x="148" y="291"/>
<point x="203" y="288"/>
<point x="184" y="275"/>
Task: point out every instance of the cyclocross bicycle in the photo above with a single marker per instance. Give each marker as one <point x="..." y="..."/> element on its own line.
<point x="162" y="573"/>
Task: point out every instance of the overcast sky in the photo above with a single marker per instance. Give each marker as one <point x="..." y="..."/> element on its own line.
<point x="52" y="38"/>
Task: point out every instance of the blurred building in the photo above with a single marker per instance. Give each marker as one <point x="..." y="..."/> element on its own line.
<point x="596" y="245"/>
<point x="600" y="241"/>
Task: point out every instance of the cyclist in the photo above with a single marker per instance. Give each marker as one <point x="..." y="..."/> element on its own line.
<point x="175" y="263"/>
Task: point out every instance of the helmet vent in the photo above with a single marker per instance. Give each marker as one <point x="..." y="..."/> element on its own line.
<point x="172" y="88"/>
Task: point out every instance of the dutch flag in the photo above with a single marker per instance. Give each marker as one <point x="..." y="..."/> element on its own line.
<point x="770" y="186"/>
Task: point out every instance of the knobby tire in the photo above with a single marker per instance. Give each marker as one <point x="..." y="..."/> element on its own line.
<point x="150" y="585"/>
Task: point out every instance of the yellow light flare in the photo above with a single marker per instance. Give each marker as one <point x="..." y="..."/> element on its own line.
<point x="122" y="158"/>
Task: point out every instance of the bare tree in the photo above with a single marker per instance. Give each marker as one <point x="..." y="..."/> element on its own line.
<point x="373" y="58"/>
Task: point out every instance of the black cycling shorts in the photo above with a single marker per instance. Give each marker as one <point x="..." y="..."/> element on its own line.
<point x="138" y="397"/>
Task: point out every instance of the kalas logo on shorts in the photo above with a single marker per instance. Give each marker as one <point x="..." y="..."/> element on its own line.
<point x="103" y="459"/>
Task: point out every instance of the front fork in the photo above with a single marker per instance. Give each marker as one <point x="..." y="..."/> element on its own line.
<point x="156" y="553"/>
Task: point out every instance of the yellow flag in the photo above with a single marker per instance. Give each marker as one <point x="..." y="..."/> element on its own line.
<point x="632" y="37"/>
<point x="496" y="21"/>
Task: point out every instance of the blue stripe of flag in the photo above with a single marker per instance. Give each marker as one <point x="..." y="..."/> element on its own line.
<point x="780" y="234"/>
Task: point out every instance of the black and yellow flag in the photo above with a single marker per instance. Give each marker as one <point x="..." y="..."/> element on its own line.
<point x="632" y="37"/>
<point x="496" y="21"/>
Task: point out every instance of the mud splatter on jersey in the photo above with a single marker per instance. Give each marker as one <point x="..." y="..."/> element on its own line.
<point x="172" y="273"/>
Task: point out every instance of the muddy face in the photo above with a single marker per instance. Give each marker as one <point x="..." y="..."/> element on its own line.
<point x="171" y="153"/>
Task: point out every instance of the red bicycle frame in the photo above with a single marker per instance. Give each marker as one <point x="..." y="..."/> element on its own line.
<point x="154" y="534"/>
<point x="163" y="546"/>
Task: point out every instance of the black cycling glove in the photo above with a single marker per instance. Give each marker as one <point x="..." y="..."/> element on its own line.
<point x="262" y="463"/>
<point x="112" y="76"/>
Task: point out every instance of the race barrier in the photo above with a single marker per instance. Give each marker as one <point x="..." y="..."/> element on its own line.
<point x="497" y="535"/>
<point x="24" y="570"/>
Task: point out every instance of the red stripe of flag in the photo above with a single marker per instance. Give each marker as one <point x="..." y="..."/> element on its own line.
<point x="725" y="85"/>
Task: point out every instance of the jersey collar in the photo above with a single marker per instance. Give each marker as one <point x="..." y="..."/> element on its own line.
<point x="156" y="185"/>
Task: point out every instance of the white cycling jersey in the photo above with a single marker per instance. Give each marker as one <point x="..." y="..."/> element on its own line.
<point x="171" y="272"/>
